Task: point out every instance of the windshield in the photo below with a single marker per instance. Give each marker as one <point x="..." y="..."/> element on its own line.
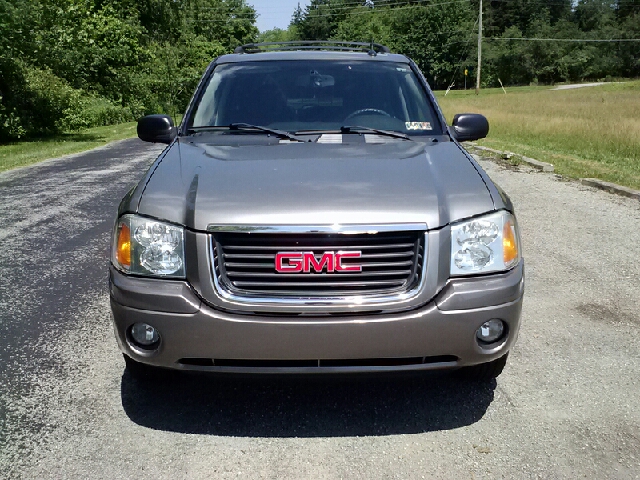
<point x="316" y="95"/>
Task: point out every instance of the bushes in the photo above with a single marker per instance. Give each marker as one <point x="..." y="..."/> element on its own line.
<point x="36" y="102"/>
<point x="94" y="112"/>
<point x="10" y="123"/>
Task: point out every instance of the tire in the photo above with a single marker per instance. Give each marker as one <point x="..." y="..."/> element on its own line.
<point x="485" y="371"/>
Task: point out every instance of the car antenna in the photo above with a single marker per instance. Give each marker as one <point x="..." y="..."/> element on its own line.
<point x="372" y="52"/>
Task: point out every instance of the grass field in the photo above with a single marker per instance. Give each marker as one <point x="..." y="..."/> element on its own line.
<point x="584" y="132"/>
<point x="31" y="151"/>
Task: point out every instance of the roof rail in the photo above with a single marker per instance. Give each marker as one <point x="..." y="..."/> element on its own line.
<point x="371" y="48"/>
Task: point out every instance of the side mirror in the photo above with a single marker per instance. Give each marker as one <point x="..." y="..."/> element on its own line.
<point x="157" y="128"/>
<point x="469" y="126"/>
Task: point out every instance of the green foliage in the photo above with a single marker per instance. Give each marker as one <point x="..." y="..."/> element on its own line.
<point x="363" y="24"/>
<point x="630" y="51"/>
<point x="93" y="62"/>
<point x="44" y="104"/>
<point x="92" y="112"/>
<point x="90" y="47"/>
<point x="10" y="123"/>
<point x="442" y="38"/>
<point x="431" y="35"/>
<point x="321" y="18"/>
<point x="174" y="71"/>
<point x="438" y="39"/>
<point x="278" y="35"/>
<point x="226" y="22"/>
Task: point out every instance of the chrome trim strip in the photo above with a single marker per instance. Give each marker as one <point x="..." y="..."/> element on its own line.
<point x="346" y="303"/>
<point x="350" y="229"/>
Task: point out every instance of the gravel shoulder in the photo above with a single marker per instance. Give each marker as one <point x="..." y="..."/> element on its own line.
<point x="565" y="407"/>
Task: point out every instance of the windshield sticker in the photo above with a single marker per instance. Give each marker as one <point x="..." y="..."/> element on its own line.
<point x="418" y="125"/>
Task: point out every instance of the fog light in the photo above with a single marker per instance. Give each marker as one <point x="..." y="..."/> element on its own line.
<point x="144" y="335"/>
<point x="490" y="331"/>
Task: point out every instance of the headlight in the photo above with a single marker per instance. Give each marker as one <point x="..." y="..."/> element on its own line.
<point x="147" y="247"/>
<point x="485" y="244"/>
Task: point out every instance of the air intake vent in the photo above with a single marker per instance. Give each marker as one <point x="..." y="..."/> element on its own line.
<point x="308" y="365"/>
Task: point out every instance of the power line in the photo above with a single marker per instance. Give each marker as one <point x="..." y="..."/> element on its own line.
<point x="353" y="5"/>
<point x="361" y="3"/>
<point x="395" y="3"/>
<point x="593" y="40"/>
<point x="571" y="4"/>
<point x="404" y="4"/>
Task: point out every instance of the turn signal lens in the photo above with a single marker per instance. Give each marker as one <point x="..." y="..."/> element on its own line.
<point x="123" y="249"/>
<point x="510" y="244"/>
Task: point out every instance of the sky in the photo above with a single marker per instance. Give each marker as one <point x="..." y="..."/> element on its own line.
<point x="275" y="13"/>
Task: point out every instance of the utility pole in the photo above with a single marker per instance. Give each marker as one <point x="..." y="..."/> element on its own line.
<point x="479" y="50"/>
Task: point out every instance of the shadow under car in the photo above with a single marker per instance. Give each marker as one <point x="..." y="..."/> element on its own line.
<point x="304" y="406"/>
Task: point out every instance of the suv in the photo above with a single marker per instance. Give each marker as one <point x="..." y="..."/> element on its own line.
<point x="314" y="213"/>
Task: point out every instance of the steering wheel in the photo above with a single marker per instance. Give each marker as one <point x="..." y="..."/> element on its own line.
<point x="367" y="111"/>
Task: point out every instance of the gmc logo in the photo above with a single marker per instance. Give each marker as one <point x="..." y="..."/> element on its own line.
<point x="306" y="262"/>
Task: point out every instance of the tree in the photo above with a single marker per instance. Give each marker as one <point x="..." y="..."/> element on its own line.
<point x="363" y="24"/>
<point x="321" y="19"/>
<point x="439" y="39"/>
<point x="278" y="35"/>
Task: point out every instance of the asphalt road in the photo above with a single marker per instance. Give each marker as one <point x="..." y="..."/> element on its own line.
<point x="566" y="406"/>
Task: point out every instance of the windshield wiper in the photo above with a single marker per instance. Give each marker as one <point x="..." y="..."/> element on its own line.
<point x="273" y="131"/>
<point x="248" y="126"/>
<point x="359" y="129"/>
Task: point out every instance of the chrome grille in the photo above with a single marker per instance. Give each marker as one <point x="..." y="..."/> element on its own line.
<point x="391" y="262"/>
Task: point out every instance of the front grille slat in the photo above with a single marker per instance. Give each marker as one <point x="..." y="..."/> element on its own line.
<point x="269" y="256"/>
<point x="271" y="265"/>
<point x="364" y="265"/>
<point x="403" y="273"/>
<point x="409" y="253"/>
<point x="315" y="284"/>
<point x="318" y="247"/>
<point x="391" y="262"/>
<point x="249" y="256"/>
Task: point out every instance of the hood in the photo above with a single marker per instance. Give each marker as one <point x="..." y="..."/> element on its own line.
<point x="200" y="184"/>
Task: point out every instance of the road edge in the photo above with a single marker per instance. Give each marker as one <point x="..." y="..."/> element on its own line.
<point x="69" y="156"/>
<point x="532" y="162"/>
<point x="549" y="168"/>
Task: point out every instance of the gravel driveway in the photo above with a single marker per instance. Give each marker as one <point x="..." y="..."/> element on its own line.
<point x="566" y="406"/>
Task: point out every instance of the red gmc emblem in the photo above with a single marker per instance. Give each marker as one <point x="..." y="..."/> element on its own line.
<point x="306" y="262"/>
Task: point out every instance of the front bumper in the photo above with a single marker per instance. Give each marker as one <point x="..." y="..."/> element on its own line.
<point x="195" y="336"/>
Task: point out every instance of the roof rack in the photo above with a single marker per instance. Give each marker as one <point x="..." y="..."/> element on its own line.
<point x="336" y="45"/>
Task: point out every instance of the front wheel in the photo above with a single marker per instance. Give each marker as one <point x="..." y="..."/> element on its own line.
<point x="484" y="371"/>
